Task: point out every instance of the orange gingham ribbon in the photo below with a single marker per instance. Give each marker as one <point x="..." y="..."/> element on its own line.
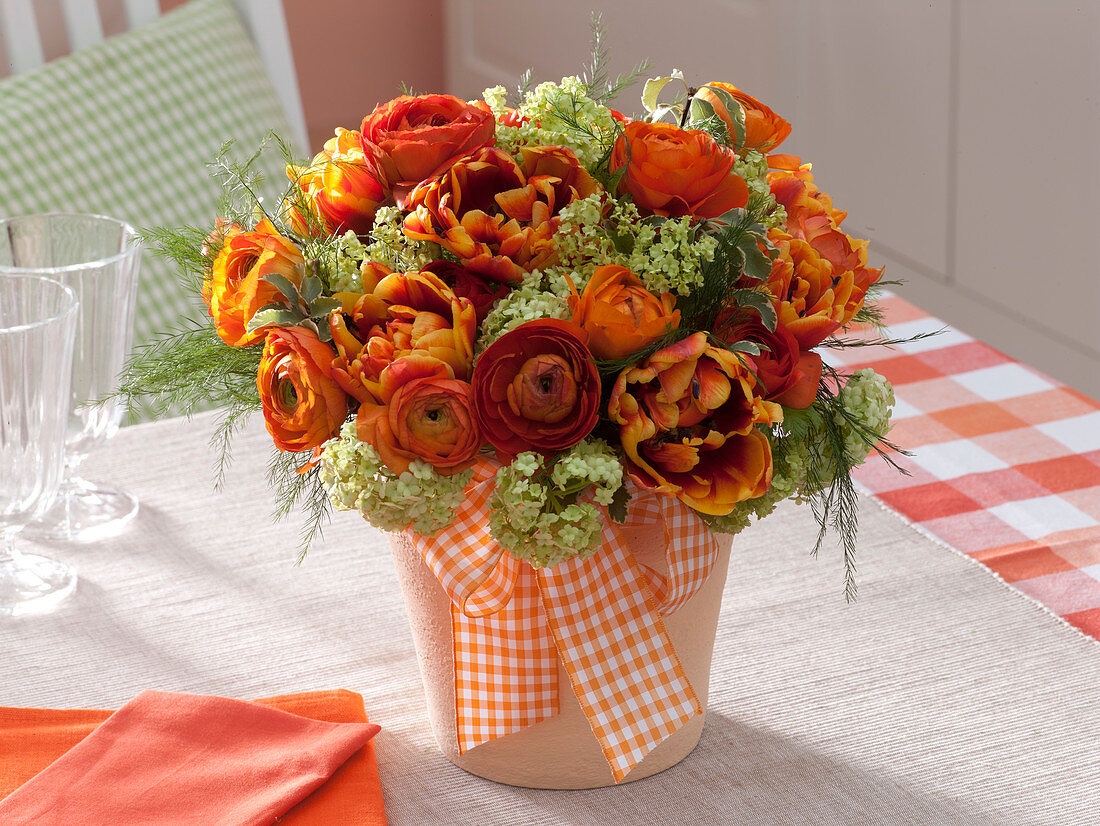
<point x="601" y="616"/>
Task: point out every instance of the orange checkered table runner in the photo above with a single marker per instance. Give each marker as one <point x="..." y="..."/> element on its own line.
<point x="1005" y="465"/>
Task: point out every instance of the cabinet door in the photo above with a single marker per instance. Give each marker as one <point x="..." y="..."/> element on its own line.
<point x="1029" y="128"/>
<point x="874" y="117"/>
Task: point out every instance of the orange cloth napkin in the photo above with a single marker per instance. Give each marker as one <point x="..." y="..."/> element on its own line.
<point x="202" y="756"/>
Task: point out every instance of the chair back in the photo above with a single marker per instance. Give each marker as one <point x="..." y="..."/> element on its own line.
<point x="80" y="19"/>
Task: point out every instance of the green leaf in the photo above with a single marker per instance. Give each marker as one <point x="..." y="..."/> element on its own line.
<point x="322" y="331"/>
<point x="750" y="348"/>
<point x="759" y="301"/>
<point x="267" y="307"/>
<point x="745" y="222"/>
<point x="653" y="87"/>
<point x="701" y="110"/>
<point x="617" y="509"/>
<point x="623" y="242"/>
<point x="614" y="178"/>
<point x="324" y="306"/>
<point x="311" y="289"/>
<point x="661" y="111"/>
<point x="736" y="113"/>
<point x="285" y="286"/>
<point x="273" y="318"/>
<point x="800" y="423"/>
<point x="758" y="264"/>
<point x="704" y="117"/>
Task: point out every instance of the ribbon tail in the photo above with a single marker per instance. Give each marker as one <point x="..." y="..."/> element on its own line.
<point x="506" y="667"/>
<point x="691" y="549"/>
<point x="614" y="646"/>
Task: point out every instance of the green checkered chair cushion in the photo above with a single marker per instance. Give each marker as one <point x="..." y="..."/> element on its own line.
<point x="127" y="127"/>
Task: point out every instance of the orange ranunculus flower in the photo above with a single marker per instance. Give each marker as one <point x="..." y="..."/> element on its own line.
<point x="405" y="313"/>
<point x="537" y="388"/>
<point x="764" y="129"/>
<point x="687" y="419"/>
<point x="412" y="139"/>
<point x="425" y="413"/>
<point x="784" y="374"/>
<point x="303" y="406"/>
<point x="499" y="217"/>
<point x="211" y="246"/>
<point x="672" y="171"/>
<point x="619" y="314"/>
<point x="340" y="187"/>
<point x="237" y="288"/>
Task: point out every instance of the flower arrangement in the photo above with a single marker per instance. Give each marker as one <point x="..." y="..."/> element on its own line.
<point x="576" y="303"/>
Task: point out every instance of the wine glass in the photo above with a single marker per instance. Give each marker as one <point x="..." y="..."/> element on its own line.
<point x="99" y="258"/>
<point x="37" y="325"/>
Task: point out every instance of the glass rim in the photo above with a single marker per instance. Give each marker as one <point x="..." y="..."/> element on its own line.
<point x="69" y="309"/>
<point x="131" y="239"/>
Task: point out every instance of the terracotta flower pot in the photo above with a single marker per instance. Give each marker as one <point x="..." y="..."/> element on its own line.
<point x="561" y="752"/>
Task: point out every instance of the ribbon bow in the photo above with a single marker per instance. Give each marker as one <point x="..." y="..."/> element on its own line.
<point x="601" y="616"/>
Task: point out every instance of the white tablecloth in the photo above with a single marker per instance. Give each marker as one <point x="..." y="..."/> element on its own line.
<point x="939" y="697"/>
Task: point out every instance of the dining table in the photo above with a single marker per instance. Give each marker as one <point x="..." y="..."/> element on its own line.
<point x="960" y="686"/>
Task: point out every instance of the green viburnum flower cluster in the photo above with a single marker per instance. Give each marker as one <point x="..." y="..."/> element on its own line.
<point x="666" y="254"/>
<point x="534" y="513"/>
<point x="753" y="167"/>
<point x="869" y="399"/>
<point x="669" y="258"/>
<point x="344" y="277"/>
<point x="582" y="242"/>
<point x="526" y="302"/>
<point x="390" y="246"/>
<point x="356" y="479"/>
<point x="560" y="114"/>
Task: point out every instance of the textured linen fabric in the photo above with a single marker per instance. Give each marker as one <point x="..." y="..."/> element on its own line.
<point x="939" y="697"/>
<point x="128" y="127"/>
<point x="168" y="759"/>
<point x="1005" y="462"/>
<point x="33" y="738"/>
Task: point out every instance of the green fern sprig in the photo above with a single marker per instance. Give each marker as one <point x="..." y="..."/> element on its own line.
<point x="738" y="254"/>
<point x="183" y="246"/>
<point x="595" y="72"/>
<point x="191" y="367"/>
<point x="294" y="488"/>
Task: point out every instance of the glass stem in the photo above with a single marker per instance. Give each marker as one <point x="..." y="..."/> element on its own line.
<point x="8" y="555"/>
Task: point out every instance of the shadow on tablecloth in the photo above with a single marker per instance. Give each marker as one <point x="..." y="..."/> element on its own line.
<point x="738" y="774"/>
